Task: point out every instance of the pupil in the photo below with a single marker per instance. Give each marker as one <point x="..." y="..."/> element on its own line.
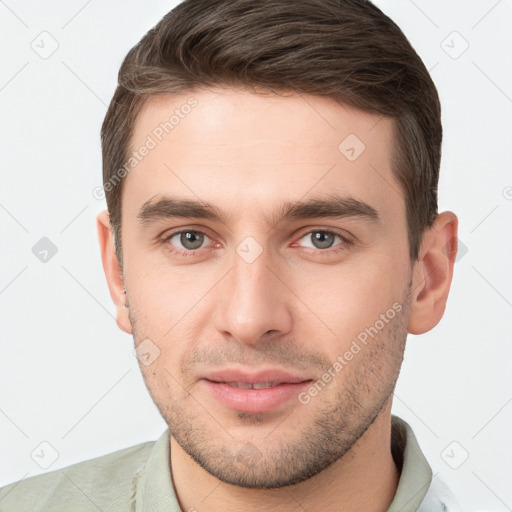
<point x="322" y="240"/>
<point x="191" y="239"/>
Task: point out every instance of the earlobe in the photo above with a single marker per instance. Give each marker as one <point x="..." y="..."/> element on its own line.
<point x="432" y="274"/>
<point x="113" y="271"/>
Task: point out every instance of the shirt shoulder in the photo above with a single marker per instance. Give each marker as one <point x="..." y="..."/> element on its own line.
<point x="439" y="498"/>
<point x="103" y="483"/>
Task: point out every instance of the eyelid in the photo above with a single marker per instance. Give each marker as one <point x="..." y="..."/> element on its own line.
<point x="172" y="235"/>
<point x="346" y="238"/>
<point x="167" y="235"/>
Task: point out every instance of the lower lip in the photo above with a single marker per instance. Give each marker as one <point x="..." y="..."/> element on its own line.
<point x="254" y="400"/>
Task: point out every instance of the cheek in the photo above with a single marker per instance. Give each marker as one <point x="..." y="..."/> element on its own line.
<point x="168" y="312"/>
<point x="353" y="297"/>
<point x="162" y="297"/>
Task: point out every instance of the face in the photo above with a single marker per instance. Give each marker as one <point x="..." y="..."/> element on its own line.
<point x="265" y="241"/>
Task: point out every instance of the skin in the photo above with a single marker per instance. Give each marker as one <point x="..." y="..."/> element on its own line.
<point x="296" y="306"/>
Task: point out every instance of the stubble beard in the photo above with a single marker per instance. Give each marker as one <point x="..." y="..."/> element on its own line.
<point x="277" y="460"/>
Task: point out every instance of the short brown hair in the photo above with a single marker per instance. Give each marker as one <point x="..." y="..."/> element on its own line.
<point x="347" y="50"/>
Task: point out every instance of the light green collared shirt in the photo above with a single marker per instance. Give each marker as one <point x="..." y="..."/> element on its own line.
<point x="138" y="479"/>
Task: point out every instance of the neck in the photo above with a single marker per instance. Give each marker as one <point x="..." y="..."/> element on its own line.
<point x="365" y="478"/>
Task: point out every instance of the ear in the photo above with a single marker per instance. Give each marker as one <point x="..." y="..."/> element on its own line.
<point x="113" y="271"/>
<point x="432" y="274"/>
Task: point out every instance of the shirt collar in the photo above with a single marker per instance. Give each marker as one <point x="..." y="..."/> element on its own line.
<point x="153" y="488"/>
<point x="416" y="475"/>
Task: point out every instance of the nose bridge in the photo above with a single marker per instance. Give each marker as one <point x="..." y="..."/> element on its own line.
<point x="254" y="301"/>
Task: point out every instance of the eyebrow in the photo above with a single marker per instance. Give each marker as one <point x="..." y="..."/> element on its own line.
<point x="331" y="206"/>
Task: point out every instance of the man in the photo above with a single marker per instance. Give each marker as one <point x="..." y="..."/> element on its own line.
<point x="272" y="235"/>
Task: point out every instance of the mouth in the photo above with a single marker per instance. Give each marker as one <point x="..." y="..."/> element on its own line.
<point x="252" y="385"/>
<point x="254" y="392"/>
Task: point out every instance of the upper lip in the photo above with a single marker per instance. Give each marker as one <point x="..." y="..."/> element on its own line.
<point x="271" y="375"/>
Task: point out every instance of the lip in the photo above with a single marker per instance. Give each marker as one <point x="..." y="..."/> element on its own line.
<point x="270" y="375"/>
<point x="287" y="386"/>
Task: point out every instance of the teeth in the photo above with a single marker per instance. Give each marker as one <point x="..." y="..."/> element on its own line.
<point x="262" y="385"/>
<point x="248" y="385"/>
<point x="244" y="385"/>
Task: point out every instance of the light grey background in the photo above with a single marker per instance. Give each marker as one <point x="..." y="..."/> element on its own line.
<point x="68" y="376"/>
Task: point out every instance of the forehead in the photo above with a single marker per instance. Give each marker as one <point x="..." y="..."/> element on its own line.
<point x="291" y="119"/>
<point x="231" y="145"/>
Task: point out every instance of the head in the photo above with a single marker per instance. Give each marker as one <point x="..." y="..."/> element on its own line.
<point x="271" y="176"/>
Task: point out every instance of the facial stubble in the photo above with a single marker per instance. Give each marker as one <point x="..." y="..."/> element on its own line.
<point x="277" y="459"/>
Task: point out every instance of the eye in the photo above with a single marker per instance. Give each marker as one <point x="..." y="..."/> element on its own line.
<point x="321" y="239"/>
<point x="188" y="240"/>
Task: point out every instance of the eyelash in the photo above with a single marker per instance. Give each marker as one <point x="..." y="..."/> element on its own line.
<point x="345" y="243"/>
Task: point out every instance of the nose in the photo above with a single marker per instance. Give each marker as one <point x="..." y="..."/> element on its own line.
<point x="253" y="302"/>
